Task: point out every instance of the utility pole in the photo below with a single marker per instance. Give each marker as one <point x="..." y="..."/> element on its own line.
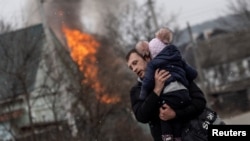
<point x="197" y="64"/>
<point x="151" y="8"/>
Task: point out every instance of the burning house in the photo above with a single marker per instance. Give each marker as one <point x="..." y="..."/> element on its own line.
<point x="42" y="80"/>
<point x="32" y="90"/>
<point x="18" y="69"/>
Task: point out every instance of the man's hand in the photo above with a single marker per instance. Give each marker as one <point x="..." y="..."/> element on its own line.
<point x="166" y="112"/>
<point x="160" y="77"/>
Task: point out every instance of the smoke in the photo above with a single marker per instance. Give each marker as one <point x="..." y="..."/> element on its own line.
<point x="84" y="15"/>
<point x="63" y="12"/>
<point x="31" y="13"/>
<point x="95" y="13"/>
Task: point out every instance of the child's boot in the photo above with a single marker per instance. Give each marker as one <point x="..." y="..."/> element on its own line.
<point x="177" y="139"/>
<point x="167" y="137"/>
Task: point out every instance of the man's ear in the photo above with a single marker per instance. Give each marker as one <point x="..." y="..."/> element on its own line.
<point x="147" y="56"/>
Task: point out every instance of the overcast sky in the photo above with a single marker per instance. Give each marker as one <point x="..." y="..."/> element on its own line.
<point x="192" y="11"/>
<point x="11" y="9"/>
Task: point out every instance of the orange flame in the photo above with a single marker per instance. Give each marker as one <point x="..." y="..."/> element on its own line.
<point x="83" y="48"/>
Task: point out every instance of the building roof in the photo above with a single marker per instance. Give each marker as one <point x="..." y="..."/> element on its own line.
<point x="20" y="53"/>
<point x="224" y="49"/>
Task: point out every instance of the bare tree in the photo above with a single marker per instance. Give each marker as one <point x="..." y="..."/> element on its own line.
<point x="20" y="54"/>
<point x="102" y="100"/>
<point x="136" y="22"/>
<point x="30" y="70"/>
<point x="240" y="12"/>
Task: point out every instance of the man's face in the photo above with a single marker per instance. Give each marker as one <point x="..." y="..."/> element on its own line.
<point x="137" y="64"/>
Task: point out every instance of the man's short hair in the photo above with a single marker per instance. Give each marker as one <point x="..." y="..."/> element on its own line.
<point x="133" y="50"/>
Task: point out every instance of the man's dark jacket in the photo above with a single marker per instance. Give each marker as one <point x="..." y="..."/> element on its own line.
<point x="147" y="111"/>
